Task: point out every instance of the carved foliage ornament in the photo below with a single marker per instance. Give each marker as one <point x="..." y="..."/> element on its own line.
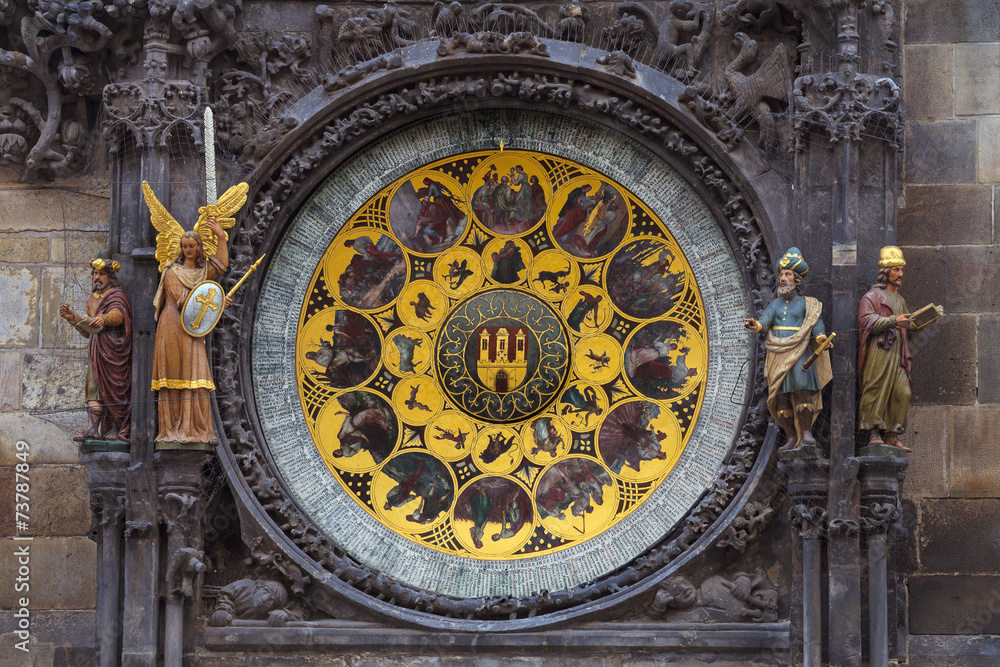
<point x="365" y="119"/>
<point x="71" y="50"/>
<point x="826" y="104"/>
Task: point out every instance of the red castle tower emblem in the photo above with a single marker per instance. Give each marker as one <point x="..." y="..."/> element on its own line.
<point x="501" y="362"/>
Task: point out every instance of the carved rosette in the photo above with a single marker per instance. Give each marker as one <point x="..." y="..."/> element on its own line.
<point x="353" y="125"/>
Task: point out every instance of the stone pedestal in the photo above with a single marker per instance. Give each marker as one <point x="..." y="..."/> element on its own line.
<point x="807" y="481"/>
<point x="880" y="478"/>
<point x="106" y="482"/>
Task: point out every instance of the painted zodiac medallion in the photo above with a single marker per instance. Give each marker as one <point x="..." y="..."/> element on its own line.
<point x="502" y="355"/>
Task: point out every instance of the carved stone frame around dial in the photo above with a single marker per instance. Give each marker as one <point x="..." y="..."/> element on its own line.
<point x="327" y="126"/>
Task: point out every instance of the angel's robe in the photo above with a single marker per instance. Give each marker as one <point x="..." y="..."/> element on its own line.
<point x="181" y="373"/>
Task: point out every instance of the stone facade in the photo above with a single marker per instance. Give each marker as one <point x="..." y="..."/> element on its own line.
<point x="947" y="230"/>
<point x="340" y="76"/>
<point x="41" y="363"/>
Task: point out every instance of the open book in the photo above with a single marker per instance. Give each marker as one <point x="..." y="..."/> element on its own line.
<point x="926" y="315"/>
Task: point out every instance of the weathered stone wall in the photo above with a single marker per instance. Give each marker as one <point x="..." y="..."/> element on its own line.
<point x="45" y="233"/>
<point x="951" y="85"/>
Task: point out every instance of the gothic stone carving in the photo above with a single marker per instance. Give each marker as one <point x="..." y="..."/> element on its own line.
<point x="756" y="16"/>
<point x="744" y="598"/>
<point x="697" y="98"/>
<point x="808" y="521"/>
<point x="64" y="47"/>
<point x="745" y="528"/>
<point x="767" y="85"/>
<point x="255" y="80"/>
<point x="618" y="63"/>
<point x="683" y="35"/>
<point x="255" y="599"/>
<point x="826" y="104"/>
<point x="106" y="484"/>
<point x="183" y="569"/>
<point x="878" y="517"/>
<point x="493" y="42"/>
<point x="354" y="73"/>
<point x="151" y="113"/>
<point x="71" y="50"/>
<point x="365" y="118"/>
<point x="376" y="29"/>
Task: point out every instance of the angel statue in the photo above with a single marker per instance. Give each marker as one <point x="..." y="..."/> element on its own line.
<point x="181" y="373"/>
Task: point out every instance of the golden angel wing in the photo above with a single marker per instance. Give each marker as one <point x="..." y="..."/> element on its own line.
<point x="168" y="240"/>
<point x="224" y="211"/>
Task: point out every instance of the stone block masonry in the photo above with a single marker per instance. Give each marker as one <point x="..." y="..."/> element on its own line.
<point x="947" y="227"/>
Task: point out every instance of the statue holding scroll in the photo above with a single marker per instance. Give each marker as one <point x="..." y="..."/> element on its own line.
<point x="884" y="358"/>
<point x="798" y="358"/>
<point x="107" y="323"/>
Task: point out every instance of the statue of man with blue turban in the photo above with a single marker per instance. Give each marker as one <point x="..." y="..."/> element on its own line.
<point x="794" y="327"/>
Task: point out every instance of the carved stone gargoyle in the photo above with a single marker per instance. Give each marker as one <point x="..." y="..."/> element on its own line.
<point x="184" y="567"/>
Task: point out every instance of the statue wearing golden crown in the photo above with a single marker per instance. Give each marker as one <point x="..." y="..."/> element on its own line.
<point x="107" y="324"/>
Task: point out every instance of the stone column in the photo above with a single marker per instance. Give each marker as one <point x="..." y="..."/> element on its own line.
<point x="807" y="481"/>
<point x="180" y="485"/>
<point x="880" y="478"/>
<point x="139" y="115"/>
<point x="106" y="483"/>
<point x="848" y="127"/>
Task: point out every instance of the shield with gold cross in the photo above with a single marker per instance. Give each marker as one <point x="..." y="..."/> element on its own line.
<point x="203" y="308"/>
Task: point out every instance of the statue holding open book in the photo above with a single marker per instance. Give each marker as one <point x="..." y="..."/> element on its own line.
<point x="884" y="358"/>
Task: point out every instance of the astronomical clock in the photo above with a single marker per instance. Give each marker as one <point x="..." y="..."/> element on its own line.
<point x="500" y="371"/>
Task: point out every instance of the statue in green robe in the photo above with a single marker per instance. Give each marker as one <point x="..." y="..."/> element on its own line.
<point x="884" y="354"/>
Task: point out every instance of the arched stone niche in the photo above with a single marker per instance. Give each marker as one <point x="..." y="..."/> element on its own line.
<point x="327" y="150"/>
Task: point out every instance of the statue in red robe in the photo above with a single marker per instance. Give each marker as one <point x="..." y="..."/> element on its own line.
<point x="108" y="324"/>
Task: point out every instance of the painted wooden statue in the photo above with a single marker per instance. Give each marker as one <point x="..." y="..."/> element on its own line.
<point x="798" y="358"/>
<point x="107" y="323"/>
<point x="884" y="358"/>
<point x="181" y="373"/>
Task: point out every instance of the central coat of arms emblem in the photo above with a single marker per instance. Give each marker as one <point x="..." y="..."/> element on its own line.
<point x="503" y="355"/>
<point x="501" y="363"/>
